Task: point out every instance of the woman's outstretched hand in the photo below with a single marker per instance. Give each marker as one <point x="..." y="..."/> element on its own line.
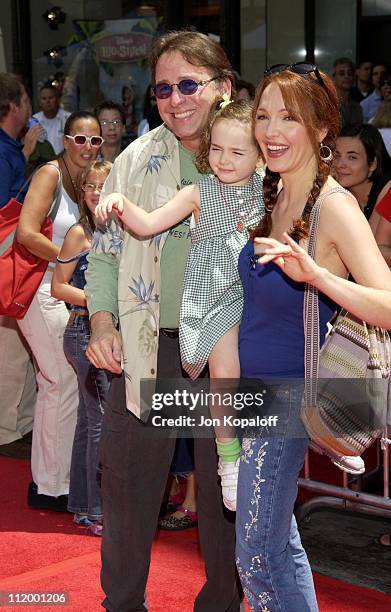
<point x="291" y="258"/>
<point x="113" y="203"/>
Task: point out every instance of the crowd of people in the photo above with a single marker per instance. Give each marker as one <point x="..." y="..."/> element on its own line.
<point x="181" y="256"/>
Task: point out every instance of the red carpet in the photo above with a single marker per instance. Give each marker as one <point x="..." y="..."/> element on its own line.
<point x="45" y="552"/>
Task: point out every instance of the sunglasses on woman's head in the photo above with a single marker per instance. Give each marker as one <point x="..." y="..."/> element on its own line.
<point x="301" y="68"/>
<point x="82" y="139"/>
<point x="187" y="87"/>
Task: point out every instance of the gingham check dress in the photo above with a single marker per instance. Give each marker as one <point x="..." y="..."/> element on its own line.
<point x="212" y="299"/>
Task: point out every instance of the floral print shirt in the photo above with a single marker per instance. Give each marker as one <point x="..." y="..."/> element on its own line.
<point x="123" y="275"/>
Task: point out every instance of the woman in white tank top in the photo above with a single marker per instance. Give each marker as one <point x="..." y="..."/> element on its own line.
<point x="44" y="324"/>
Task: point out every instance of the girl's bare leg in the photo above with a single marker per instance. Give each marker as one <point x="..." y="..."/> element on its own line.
<point x="224" y="369"/>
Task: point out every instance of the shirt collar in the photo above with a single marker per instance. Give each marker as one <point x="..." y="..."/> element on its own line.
<point x="7" y="138"/>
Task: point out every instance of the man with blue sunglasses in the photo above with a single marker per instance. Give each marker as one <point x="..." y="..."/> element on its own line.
<point x="139" y="283"/>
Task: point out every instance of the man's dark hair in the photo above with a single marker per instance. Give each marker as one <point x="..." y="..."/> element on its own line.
<point x="109" y="105"/>
<point x="344" y="60"/>
<point x="241" y="84"/>
<point x="79" y="115"/>
<point x="51" y="87"/>
<point x="11" y="92"/>
<point x="364" y="61"/>
<point x="197" y="49"/>
<point x="380" y="63"/>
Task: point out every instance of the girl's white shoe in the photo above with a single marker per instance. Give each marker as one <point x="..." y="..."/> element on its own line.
<point x="352" y="465"/>
<point x="347" y="463"/>
<point x="228" y="472"/>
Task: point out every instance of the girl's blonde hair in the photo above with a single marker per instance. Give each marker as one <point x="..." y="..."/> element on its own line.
<point x="239" y="110"/>
<point x="87" y="218"/>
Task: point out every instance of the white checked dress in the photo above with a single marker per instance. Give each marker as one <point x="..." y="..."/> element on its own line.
<point x="212" y="299"/>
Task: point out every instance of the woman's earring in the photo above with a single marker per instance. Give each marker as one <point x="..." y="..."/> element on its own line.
<point x="325" y="153"/>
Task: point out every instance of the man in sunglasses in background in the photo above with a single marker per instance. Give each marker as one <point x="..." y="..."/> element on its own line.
<point x="349" y="110"/>
<point x="139" y="283"/>
<point x="112" y="123"/>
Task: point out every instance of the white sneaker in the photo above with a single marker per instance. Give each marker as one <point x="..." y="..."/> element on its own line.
<point x="228" y="473"/>
<point x="347" y="463"/>
<point x="351" y="465"/>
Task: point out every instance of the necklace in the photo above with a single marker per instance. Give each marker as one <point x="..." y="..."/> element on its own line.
<point x="73" y="182"/>
<point x="240" y="215"/>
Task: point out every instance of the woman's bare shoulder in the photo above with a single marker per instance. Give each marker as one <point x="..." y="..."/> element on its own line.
<point x="47" y="174"/>
<point x="338" y="203"/>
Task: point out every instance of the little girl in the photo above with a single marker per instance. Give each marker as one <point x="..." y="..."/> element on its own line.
<point x="68" y="284"/>
<point x="223" y="206"/>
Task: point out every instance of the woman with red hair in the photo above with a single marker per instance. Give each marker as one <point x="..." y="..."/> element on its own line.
<point x="296" y="123"/>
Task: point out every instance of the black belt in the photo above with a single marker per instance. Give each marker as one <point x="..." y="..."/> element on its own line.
<point x="170" y="333"/>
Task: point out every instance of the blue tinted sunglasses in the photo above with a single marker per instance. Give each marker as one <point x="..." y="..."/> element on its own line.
<point x="187" y="87"/>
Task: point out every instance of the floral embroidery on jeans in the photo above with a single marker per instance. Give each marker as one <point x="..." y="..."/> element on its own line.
<point x="245" y="579"/>
<point x="264" y="599"/>
<point x="256" y="564"/>
<point x="256" y="493"/>
<point x="247" y="451"/>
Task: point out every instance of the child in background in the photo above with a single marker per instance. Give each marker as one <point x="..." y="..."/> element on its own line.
<point x="68" y="284"/>
<point x="223" y="206"/>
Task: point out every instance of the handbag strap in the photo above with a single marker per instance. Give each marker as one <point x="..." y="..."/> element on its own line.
<point x="30" y="178"/>
<point x="311" y="307"/>
<point x="57" y="194"/>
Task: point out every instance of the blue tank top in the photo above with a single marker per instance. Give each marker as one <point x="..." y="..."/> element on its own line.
<point x="271" y="336"/>
<point x="78" y="277"/>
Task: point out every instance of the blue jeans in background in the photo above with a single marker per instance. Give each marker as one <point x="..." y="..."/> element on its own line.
<point x="271" y="561"/>
<point x="84" y="490"/>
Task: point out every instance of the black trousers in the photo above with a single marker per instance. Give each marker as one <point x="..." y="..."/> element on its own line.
<point x="134" y="475"/>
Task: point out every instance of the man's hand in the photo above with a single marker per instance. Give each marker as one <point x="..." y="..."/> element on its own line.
<point x="31" y="138"/>
<point x="104" y="348"/>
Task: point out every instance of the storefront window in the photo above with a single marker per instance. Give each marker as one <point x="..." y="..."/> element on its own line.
<point x="285" y="32"/>
<point x="335" y="32"/>
<point x="99" y="58"/>
<point x="252" y="39"/>
<point x="204" y="16"/>
<point x="375" y="8"/>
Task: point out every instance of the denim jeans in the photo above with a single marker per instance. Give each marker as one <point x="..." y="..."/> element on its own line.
<point x="84" y="490"/>
<point x="272" y="564"/>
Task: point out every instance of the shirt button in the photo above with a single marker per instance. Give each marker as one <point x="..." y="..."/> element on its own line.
<point x="155" y="333"/>
<point x="152" y="371"/>
<point x="155" y="259"/>
<point x="241" y="201"/>
<point x="239" y="192"/>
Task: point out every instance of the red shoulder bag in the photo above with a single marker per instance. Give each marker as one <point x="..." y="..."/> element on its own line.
<point x="21" y="272"/>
